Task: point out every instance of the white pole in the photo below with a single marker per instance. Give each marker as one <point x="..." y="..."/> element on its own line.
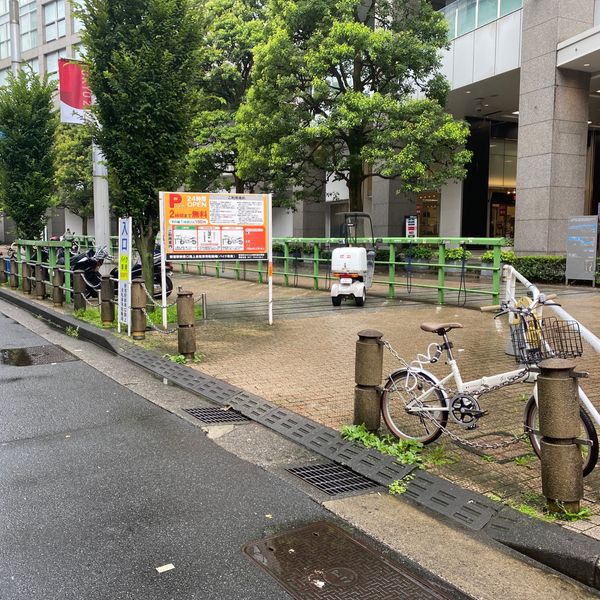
<point x="101" y="204"/>
<point x="163" y="252"/>
<point x="15" y="36"/>
<point x="270" y="255"/>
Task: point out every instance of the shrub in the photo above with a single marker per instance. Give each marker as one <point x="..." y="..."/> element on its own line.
<point x="507" y="257"/>
<point x="547" y="269"/>
<point x="458" y="254"/>
<point x="418" y="252"/>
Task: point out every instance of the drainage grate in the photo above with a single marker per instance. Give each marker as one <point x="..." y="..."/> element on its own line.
<point x="216" y="415"/>
<point x="332" y="478"/>
<point x="35" y="355"/>
<point x="323" y="562"/>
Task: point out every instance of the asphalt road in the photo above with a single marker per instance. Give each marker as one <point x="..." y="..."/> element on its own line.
<point x="100" y="487"/>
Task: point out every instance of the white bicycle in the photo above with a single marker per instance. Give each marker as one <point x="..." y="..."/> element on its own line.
<point x="416" y="405"/>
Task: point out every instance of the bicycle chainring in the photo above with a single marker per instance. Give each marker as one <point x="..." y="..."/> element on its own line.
<point x="465" y="410"/>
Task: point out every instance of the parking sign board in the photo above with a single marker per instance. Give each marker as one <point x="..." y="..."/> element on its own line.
<point x="124" y="293"/>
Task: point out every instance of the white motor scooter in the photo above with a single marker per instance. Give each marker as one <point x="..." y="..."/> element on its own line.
<point x="353" y="265"/>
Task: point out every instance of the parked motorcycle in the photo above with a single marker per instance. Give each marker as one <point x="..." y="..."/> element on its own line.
<point x="136" y="273"/>
<point x="90" y="262"/>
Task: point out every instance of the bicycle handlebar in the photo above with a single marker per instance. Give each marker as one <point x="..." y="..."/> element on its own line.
<point x="506" y="308"/>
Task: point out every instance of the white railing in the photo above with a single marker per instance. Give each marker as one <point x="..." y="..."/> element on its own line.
<point x="464" y="16"/>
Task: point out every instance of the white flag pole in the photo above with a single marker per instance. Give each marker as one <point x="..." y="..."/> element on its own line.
<point x="163" y="260"/>
<point x="270" y="254"/>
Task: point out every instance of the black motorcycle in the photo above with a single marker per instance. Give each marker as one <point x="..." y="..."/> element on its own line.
<point x="136" y="273"/>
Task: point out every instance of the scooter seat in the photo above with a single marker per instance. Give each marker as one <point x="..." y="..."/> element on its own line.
<point x="440" y="328"/>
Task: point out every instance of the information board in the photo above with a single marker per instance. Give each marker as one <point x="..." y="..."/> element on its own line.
<point x="124" y="289"/>
<point x="582" y="243"/>
<point x="215" y="226"/>
<point x="411" y="225"/>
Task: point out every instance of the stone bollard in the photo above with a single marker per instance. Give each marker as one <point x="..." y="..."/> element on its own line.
<point x="562" y="469"/>
<point x="186" y="321"/>
<point x="40" y="284"/>
<point x="26" y="282"/>
<point x="3" y="278"/>
<point x="107" y="306"/>
<point x="138" y="306"/>
<point x="14" y="274"/>
<point x="78" y="291"/>
<point x="368" y="371"/>
<point x="58" y="282"/>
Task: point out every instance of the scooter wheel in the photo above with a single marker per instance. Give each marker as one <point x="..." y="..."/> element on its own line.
<point x="336" y="300"/>
<point x="360" y="300"/>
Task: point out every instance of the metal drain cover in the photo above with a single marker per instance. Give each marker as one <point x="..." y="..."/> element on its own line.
<point x="35" y="355"/>
<point x="323" y="562"/>
<point x="332" y="478"/>
<point x="216" y="415"/>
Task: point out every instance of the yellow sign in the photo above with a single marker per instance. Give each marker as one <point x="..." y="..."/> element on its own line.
<point x="124" y="267"/>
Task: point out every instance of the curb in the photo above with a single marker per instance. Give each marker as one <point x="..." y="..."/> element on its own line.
<point x="566" y="551"/>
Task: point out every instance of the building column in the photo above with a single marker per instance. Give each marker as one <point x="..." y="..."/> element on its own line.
<point x="450" y="210"/>
<point x="553" y="115"/>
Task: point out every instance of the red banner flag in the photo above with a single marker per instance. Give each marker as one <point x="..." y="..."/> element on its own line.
<point x="75" y="95"/>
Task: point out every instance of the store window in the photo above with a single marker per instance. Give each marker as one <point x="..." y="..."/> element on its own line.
<point x="427" y="212"/>
<point x="54" y="20"/>
<point x="28" y="25"/>
<point x="502" y="186"/>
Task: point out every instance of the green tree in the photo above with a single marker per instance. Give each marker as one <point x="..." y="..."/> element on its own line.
<point x="233" y="28"/>
<point x="27" y="126"/>
<point x="142" y="58"/>
<point x="73" y="174"/>
<point x="352" y="88"/>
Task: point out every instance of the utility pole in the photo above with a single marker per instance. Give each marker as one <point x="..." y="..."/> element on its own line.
<point x="15" y="36"/>
<point x="101" y="204"/>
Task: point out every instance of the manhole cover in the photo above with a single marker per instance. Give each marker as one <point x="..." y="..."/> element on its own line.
<point x="332" y="478"/>
<point x="35" y="355"/>
<point x="216" y="415"/>
<point x="323" y="562"/>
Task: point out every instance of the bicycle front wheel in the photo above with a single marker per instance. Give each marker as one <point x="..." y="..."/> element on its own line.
<point x="589" y="451"/>
<point x="413" y="408"/>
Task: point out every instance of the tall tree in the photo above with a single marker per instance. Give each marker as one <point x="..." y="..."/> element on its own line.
<point x="73" y="174"/>
<point x="352" y="87"/>
<point x="142" y="57"/>
<point x="233" y="28"/>
<point x="27" y="126"/>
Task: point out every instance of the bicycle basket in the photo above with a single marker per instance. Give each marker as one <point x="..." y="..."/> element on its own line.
<point x="535" y="340"/>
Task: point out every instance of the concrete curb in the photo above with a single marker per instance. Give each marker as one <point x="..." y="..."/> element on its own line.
<point x="566" y="551"/>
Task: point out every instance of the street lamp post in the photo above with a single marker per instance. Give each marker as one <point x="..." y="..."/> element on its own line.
<point x="15" y="36"/>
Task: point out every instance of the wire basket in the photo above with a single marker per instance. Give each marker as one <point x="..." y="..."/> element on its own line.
<point x="535" y="340"/>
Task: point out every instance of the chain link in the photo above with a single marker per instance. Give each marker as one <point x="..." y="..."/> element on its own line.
<point x="456" y="438"/>
<point x="164" y="331"/>
<point x="151" y="298"/>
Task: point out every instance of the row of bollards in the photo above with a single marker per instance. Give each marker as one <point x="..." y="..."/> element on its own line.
<point x="559" y="421"/>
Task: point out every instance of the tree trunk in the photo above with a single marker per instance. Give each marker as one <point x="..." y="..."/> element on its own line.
<point x="84" y="224"/>
<point x="144" y="243"/>
<point x="355" y="179"/>
<point x="240" y="184"/>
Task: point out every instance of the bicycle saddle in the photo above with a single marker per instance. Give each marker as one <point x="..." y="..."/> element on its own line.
<point x="440" y="328"/>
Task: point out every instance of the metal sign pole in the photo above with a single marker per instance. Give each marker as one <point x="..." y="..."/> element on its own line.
<point x="163" y="261"/>
<point x="270" y="254"/>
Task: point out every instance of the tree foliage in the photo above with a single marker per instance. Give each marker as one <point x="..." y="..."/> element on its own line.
<point x="142" y="58"/>
<point x="352" y="87"/>
<point x="74" y="171"/>
<point x="233" y="28"/>
<point x="27" y="126"/>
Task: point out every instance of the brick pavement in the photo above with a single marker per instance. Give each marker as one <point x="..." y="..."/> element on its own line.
<point x="305" y="362"/>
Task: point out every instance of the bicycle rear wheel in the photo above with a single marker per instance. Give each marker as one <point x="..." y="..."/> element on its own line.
<point x="407" y="400"/>
<point x="589" y="453"/>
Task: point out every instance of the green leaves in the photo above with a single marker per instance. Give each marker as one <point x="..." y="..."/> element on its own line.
<point x="28" y="123"/>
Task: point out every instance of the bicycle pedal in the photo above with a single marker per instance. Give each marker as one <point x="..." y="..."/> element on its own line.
<point x="471" y="426"/>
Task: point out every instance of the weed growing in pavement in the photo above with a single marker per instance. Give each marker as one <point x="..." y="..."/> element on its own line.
<point x="72" y="331"/>
<point x="524" y="461"/>
<point x="438" y="456"/>
<point x="407" y="452"/>
<point x="180" y="359"/>
<point x="398" y="486"/>
<point x="566" y="515"/>
<point x="488" y="458"/>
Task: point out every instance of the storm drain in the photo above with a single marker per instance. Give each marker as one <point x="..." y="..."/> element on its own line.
<point x="216" y="415"/>
<point x="323" y="562"/>
<point x="35" y="355"/>
<point x="332" y="478"/>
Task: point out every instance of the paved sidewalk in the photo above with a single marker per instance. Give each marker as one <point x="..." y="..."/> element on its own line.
<point x="305" y="362"/>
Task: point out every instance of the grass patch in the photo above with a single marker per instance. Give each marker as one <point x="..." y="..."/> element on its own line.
<point x="89" y="315"/>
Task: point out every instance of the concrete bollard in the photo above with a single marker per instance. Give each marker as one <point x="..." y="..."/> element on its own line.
<point x="107" y="306"/>
<point x="14" y="274"/>
<point x="138" y="305"/>
<point x="368" y="371"/>
<point x="78" y="291"/>
<point x="40" y="284"/>
<point x="186" y="321"/>
<point x="26" y="281"/>
<point x="58" y="282"/>
<point x="562" y="469"/>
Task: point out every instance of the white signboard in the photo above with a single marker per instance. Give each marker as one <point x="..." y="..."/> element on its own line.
<point x="124" y="295"/>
